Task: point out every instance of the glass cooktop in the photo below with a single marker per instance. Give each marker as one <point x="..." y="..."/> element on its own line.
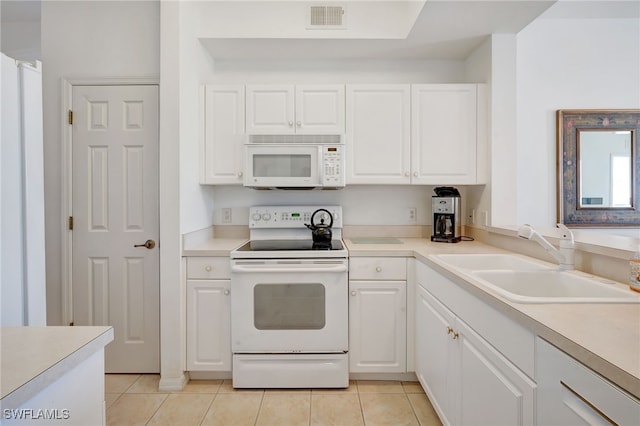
<point x="289" y="245"/>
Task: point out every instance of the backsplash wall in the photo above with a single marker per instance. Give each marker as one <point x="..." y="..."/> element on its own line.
<point x="361" y="204"/>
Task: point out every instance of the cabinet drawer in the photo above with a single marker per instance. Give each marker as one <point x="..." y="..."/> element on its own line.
<point x="378" y="268"/>
<point x="208" y="267"/>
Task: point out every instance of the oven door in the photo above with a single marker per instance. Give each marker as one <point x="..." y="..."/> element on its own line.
<point x="289" y="306"/>
<point x="278" y="166"/>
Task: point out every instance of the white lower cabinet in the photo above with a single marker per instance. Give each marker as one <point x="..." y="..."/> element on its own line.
<point x="492" y="390"/>
<point x="571" y="394"/>
<point x="208" y="318"/>
<point x="377" y="315"/>
<point x="377" y="327"/>
<point x="433" y="353"/>
<point x="468" y="381"/>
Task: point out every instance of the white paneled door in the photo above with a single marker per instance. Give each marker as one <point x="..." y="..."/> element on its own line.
<point x="116" y="220"/>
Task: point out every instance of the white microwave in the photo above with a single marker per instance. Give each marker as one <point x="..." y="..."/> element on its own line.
<point x="294" y="162"/>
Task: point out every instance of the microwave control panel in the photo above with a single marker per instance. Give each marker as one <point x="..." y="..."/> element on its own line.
<point x="333" y="164"/>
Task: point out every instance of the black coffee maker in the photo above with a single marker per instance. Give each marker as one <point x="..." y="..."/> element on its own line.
<point x="446" y="215"/>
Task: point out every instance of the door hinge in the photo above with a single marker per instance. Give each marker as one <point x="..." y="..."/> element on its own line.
<point x="70" y="223"/>
<point x="70" y="117"/>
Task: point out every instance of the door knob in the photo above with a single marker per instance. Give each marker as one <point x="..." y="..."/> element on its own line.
<point x="148" y="244"/>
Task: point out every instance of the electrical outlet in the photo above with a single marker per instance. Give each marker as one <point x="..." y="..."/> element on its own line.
<point x="226" y="215"/>
<point x="484" y="215"/>
<point x="412" y="215"/>
<point x="472" y="217"/>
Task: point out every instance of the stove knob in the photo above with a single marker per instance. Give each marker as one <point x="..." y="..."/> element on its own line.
<point x="256" y="217"/>
<point x="266" y="216"/>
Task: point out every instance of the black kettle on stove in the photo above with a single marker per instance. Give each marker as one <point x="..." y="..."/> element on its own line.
<point x="321" y="233"/>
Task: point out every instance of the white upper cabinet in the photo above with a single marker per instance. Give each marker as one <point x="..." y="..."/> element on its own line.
<point x="446" y="134"/>
<point x="223" y="139"/>
<point x="378" y="134"/>
<point x="287" y="109"/>
<point x="421" y="134"/>
<point x="320" y="109"/>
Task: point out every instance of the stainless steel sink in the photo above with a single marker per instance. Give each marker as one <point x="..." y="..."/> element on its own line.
<point x="525" y="280"/>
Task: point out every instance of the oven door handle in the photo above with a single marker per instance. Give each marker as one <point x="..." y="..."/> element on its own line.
<point x="279" y="268"/>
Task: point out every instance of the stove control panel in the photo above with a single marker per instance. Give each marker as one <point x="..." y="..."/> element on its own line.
<point x="292" y="216"/>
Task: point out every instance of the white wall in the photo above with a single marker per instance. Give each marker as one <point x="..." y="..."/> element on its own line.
<point x="566" y="64"/>
<point x="80" y="40"/>
<point x="11" y="224"/>
<point x="478" y="67"/>
<point x="200" y="205"/>
<point x="362" y="204"/>
<point x="21" y="40"/>
<point x="20" y="29"/>
<point x="22" y="278"/>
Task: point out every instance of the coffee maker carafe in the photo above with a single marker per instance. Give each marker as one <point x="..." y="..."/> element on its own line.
<point x="446" y="215"/>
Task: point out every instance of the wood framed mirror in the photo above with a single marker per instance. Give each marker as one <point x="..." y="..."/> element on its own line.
<point x="598" y="164"/>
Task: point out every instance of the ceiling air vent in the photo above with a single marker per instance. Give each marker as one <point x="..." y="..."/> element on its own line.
<point x="326" y="18"/>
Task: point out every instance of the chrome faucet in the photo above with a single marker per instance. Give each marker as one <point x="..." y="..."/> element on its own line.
<point x="564" y="256"/>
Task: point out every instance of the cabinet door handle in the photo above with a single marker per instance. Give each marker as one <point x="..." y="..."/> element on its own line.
<point x="407" y="174"/>
<point x="378" y="269"/>
<point x="299" y="123"/>
<point x="588" y="403"/>
<point x="415" y="174"/>
<point x="208" y="268"/>
<point x="227" y="292"/>
<point x="291" y="124"/>
<point x="455" y="335"/>
<point x="353" y="293"/>
<point x="239" y="174"/>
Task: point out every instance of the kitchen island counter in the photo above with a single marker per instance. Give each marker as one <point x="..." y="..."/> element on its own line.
<point x="604" y="337"/>
<point x="60" y="367"/>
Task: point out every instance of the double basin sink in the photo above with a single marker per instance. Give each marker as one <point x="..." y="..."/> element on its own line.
<point x="522" y="279"/>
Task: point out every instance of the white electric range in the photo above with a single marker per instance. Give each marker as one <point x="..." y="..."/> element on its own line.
<point x="289" y="302"/>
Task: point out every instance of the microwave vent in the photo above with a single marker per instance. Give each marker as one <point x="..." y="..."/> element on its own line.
<point x="296" y="139"/>
<point x="326" y="17"/>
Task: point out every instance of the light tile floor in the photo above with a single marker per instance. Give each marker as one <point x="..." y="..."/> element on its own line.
<point x="134" y="399"/>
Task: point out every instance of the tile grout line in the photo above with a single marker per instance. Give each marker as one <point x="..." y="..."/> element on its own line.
<point x="364" y="422"/>
<point x="310" y="402"/>
<point x="204" y="416"/>
<point x="255" y="423"/>
<point x="166" y="396"/>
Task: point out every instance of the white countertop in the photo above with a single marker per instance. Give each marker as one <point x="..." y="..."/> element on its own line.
<point x="604" y="337"/>
<point x="212" y="247"/>
<point x="34" y="357"/>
